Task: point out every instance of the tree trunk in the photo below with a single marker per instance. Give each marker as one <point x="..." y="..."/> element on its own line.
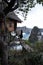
<point x="4" y="53"/>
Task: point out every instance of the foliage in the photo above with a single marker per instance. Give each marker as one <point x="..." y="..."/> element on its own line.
<point x="19" y="5"/>
<point x="27" y="42"/>
<point x="40" y="2"/>
<point x="39" y="46"/>
<point x="27" y="59"/>
<point x="25" y="6"/>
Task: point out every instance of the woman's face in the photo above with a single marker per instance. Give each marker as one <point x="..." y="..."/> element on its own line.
<point x="10" y="26"/>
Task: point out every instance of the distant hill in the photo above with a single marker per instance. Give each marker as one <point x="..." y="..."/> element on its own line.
<point x="25" y="29"/>
<point x="41" y="30"/>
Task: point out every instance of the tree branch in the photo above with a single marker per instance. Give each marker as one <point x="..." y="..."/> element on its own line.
<point x="8" y="8"/>
<point x="6" y="1"/>
<point x="14" y="8"/>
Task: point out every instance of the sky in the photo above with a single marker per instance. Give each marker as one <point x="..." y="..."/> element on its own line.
<point x="34" y="18"/>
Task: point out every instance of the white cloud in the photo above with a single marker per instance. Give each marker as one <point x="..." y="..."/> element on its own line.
<point x="34" y="17"/>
